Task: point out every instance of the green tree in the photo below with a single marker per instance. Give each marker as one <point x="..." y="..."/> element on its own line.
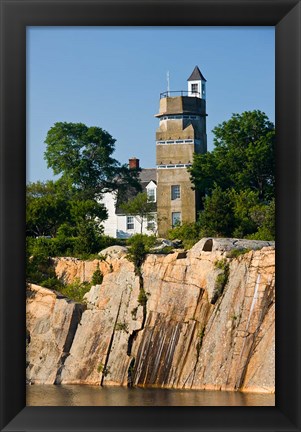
<point x="88" y="238"/>
<point x="46" y="208"/>
<point x="82" y="155"/>
<point x="54" y="208"/>
<point x="243" y="204"/>
<point x="243" y="157"/>
<point x="217" y="218"/>
<point x="264" y="217"/>
<point x="140" y="207"/>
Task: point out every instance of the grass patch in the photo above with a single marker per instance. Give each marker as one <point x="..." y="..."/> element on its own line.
<point x="75" y="290"/>
<point x="121" y="327"/>
<point x="221" y="280"/>
<point x="234" y="253"/>
<point x="101" y="369"/>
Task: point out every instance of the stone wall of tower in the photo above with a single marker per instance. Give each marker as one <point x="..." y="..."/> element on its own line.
<point x="189" y="125"/>
<point x="187" y="205"/>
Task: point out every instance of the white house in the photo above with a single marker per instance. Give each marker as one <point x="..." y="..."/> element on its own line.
<point x="119" y="225"/>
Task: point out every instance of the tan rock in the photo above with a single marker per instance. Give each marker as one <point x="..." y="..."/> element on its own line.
<point x="51" y="323"/>
<point x="180" y="339"/>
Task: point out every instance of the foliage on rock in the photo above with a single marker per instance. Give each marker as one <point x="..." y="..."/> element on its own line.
<point x="221" y="279"/>
<point x="139" y="247"/>
<point x="97" y="276"/>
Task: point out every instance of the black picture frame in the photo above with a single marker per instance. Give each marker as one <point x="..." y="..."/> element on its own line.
<point x="15" y="16"/>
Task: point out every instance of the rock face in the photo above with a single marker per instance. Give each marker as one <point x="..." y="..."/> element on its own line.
<point x="51" y="323"/>
<point x="208" y="323"/>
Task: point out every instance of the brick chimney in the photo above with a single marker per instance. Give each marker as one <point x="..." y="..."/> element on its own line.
<point x="133" y="163"/>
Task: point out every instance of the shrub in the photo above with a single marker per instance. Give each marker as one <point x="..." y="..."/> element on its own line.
<point x="139" y="247"/>
<point x="87" y="241"/>
<point x="234" y="253"/>
<point x="221" y="280"/>
<point x="189" y="233"/>
<point x="134" y="313"/>
<point x="101" y="369"/>
<point x="97" y="276"/>
<point x="76" y="290"/>
<point x="200" y="340"/>
<point x="85" y="246"/>
<point x="221" y="264"/>
<point x="142" y="297"/>
<point x="121" y="327"/>
<point x="39" y="266"/>
<point x="52" y="283"/>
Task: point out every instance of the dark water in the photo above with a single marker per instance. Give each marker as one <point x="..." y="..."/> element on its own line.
<point x="82" y="395"/>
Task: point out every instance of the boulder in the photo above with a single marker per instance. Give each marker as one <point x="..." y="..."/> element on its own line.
<point x="114" y="252"/>
<point x="211" y="244"/>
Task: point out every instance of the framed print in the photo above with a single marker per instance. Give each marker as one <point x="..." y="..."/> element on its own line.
<point x="18" y="17"/>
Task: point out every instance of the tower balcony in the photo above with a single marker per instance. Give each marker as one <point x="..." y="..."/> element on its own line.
<point x="178" y="103"/>
<point x="177" y="93"/>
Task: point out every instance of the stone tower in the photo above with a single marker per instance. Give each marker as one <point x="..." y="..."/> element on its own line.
<point x="181" y="133"/>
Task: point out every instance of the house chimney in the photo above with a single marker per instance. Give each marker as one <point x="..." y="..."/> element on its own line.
<point x="133" y="163"/>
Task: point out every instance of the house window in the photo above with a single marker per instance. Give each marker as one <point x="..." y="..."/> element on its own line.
<point x="175" y="192"/>
<point x="194" y="88"/>
<point x="176" y="218"/>
<point x="151" y="195"/>
<point x="130" y="222"/>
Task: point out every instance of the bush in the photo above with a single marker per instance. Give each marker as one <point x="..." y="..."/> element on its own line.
<point x="75" y="290"/>
<point x="87" y="241"/>
<point x="200" y="340"/>
<point x="139" y="247"/>
<point x="121" y="327"/>
<point x="142" y="297"/>
<point x="52" y="283"/>
<point x="189" y="233"/>
<point x="97" y="276"/>
<point x="80" y="247"/>
<point x="39" y="265"/>
<point x="234" y="253"/>
<point x="221" y="280"/>
<point x="265" y="219"/>
<point x="101" y="369"/>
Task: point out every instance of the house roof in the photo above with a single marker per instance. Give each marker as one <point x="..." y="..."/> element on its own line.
<point x="146" y="175"/>
<point x="196" y="75"/>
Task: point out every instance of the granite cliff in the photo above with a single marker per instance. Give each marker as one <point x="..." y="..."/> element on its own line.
<point x="202" y="319"/>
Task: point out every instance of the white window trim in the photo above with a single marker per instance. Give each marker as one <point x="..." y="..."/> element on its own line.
<point x="130" y="223"/>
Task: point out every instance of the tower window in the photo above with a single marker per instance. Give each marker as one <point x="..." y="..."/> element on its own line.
<point x="194" y="88"/>
<point x="175" y="192"/>
<point x="176" y="218"/>
<point x="130" y="222"/>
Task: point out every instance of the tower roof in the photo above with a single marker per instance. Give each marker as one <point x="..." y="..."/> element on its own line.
<point x="196" y="75"/>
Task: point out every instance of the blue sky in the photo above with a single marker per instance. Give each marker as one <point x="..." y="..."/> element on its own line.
<point x="112" y="77"/>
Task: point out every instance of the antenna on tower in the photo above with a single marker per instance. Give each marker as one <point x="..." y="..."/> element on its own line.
<point x="167" y="77"/>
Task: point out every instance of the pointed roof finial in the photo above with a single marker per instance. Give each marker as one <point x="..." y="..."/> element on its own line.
<point x="196" y="75"/>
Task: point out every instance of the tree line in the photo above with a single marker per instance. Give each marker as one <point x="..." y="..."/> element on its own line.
<point x="236" y="183"/>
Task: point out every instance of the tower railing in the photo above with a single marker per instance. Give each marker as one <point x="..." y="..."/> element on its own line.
<point x="179" y="93"/>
